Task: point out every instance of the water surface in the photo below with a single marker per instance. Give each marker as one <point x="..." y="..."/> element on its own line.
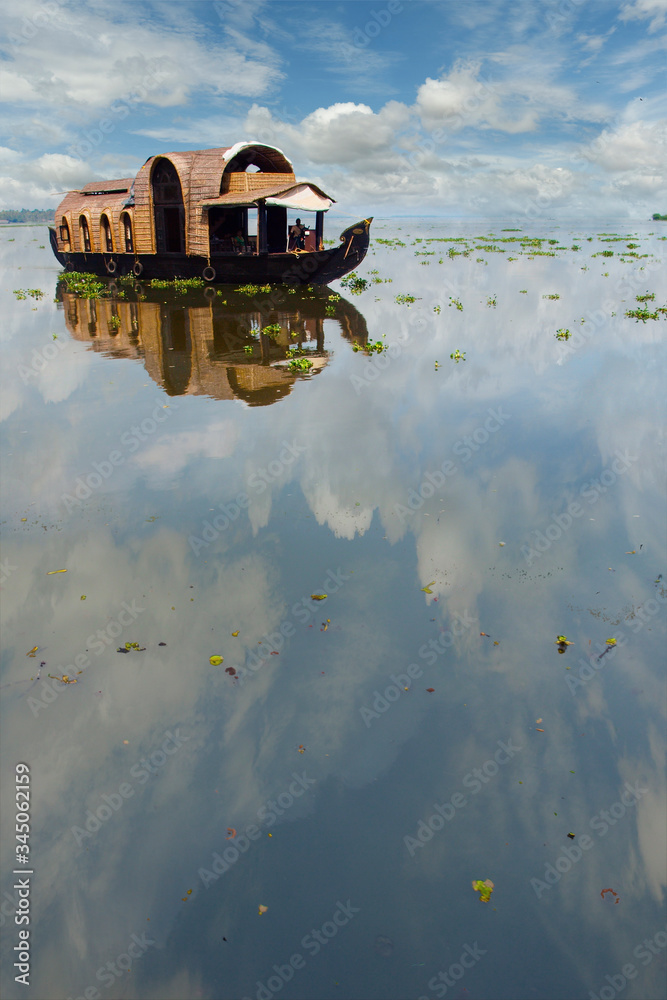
<point x="458" y="516"/>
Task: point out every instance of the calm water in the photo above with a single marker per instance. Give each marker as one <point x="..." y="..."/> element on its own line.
<point x="458" y="516"/>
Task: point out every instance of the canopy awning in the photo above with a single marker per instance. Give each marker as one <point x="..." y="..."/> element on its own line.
<point x="299" y="197"/>
<point x="303" y="198"/>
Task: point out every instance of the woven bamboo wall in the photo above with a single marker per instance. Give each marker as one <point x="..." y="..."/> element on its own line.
<point x="236" y="182"/>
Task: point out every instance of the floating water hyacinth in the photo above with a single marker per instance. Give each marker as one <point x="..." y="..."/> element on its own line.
<point x="484" y="889"/>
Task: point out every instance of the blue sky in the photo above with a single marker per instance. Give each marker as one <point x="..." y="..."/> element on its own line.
<point x="475" y="108"/>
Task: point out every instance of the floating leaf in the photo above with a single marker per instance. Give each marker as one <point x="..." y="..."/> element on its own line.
<point x="234" y="634"/>
<point x="571" y="836"/>
<point x="215" y="660"/>
<point x="262" y="909"/>
<point x="83" y="597"/>
<point x="31" y="652"/>
<point x="52" y="571"/>
<point x="431" y="690"/>
<point x="610" y="642"/>
<point x="318" y="597"/>
<point x="427" y="588"/>
<point x="484" y="889"/>
<point x="562" y="640"/>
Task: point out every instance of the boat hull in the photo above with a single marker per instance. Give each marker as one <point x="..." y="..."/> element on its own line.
<point x="317" y="267"/>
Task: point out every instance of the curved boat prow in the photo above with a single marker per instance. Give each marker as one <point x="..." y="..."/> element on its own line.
<point x="355" y="240"/>
<point x="53" y="239"/>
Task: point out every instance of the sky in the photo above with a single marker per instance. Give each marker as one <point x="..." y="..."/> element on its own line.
<point x="454" y="108"/>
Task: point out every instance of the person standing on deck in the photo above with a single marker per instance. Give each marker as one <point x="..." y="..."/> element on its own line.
<point x="298" y="234"/>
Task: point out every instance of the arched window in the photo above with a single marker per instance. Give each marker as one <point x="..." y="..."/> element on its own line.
<point x="105" y="234"/>
<point x="85" y="233"/>
<point x="168" y="208"/>
<point x="126" y="230"/>
<point x="126" y="227"/>
<point x="64" y="231"/>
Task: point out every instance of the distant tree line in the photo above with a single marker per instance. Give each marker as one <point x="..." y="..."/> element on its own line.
<point x="26" y="214"/>
<point x="663" y="218"/>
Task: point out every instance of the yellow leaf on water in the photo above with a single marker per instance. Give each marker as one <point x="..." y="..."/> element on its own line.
<point x="427" y="588"/>
<point x="31" y="652"/>
<point x="234" y="634"/>
<point x="215" y="660"/>
<point x="52" y="571"/>
<point x="317" y="597"/>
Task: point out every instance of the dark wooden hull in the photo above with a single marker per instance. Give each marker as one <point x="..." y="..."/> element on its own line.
<point x="307" y="268"/>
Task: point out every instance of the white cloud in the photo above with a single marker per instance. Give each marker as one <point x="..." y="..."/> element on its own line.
<point x="88" y="58"/>
<point x="517" y="103"/>
<point x="343" y="133"/>
<point x="636" y="147"/>
<point x="641" y="10"/>
<point x="41" y="181"/>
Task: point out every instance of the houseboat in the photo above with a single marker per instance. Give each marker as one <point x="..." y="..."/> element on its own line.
<point x="217" y="214"/>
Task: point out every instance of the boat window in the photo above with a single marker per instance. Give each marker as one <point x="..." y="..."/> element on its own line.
<point x="85" y="233"/>
<point x="64" y="231"/>
<point x="126" y="224"/>
<point x="105" y="234"/>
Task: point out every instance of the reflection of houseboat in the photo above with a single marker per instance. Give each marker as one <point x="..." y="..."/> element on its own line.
<point x="204" y="344"/>
<point x="218" y="214"/>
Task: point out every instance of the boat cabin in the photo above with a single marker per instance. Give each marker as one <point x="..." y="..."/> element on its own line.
<point x="236" y="200"/>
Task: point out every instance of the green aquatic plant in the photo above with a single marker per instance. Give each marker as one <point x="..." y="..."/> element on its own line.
<point x="492" y="301"/>
<point x="405" y="299"/>
<point x="458" y="356"/>
<point x="180" y="285"/>
<point x="85" y="285"/>
<point x="371" y="348"/>
<point x="456" y="302"/>
<point x="644" y="314"/>
<point x="24" y="293"/>
<point x="272" y="330"/>
<point x="553" y="295"/>
<point x="300" y="366"/>
<point x="253" y="289"/>
<point x="563" y="334"/>
<point x="354" y="283"/>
